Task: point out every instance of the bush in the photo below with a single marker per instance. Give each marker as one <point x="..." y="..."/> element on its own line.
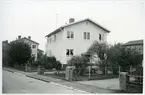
<point x="80" y="62"/>
<point x="49" y="62"/>
<point x="58" y="65"/>
<point x="118" y="55"/>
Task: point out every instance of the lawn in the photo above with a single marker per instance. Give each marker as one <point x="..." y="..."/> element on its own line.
<point x="84" y="77"/>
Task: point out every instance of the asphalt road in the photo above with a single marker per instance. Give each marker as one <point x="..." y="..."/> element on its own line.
<point x="17" y="83"/>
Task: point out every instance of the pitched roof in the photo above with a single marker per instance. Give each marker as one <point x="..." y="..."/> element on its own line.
<point x="135" y="42"/>
<point x="60" y="28"/>
<point x="40" y="50"/>
<point x="27" y="39"/>
<point x="30" y="40"/>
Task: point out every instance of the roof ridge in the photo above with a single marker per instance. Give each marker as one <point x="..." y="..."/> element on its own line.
<point x="56" y="30"/>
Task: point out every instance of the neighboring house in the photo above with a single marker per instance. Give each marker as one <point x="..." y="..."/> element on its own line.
<point x="74" y="39"/>
<point x="34" y="45"/>
<point x="39" y="53"/>
<point x="136" y="44"/>
<point x="5" y="50"/>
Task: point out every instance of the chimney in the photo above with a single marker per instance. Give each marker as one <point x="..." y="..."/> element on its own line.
<point x="71" y="20"/>
<point x="6" y="41"/>
<point x="29" y="37"/>
<point x="19" y="37"/>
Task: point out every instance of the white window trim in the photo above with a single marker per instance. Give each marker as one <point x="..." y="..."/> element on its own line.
<point x="86" y="35"/>
<point x="69" y="34"/>
<point x="69" y="52"/>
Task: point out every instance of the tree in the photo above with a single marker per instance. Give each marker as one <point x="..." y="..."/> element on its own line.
<point x="20" y="52"/>
<point x="129" y="57"/>
<point x="100" y="49"/>
<point x="118" y="55"/>
<point x="114" y="53"/>
<point x="79" y="62"/>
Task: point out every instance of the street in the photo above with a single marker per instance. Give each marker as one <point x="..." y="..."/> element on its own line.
<point x="18" y="83"/>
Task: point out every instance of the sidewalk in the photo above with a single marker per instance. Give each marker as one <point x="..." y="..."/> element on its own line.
<point x="107" y="83"/>
<point x="79" y="85"/>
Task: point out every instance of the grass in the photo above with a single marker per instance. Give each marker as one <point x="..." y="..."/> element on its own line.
<point x="84" y="77"/>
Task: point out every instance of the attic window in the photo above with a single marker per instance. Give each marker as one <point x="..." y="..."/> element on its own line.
<point x="87" y="23"/>
<point x="54" y="37"/>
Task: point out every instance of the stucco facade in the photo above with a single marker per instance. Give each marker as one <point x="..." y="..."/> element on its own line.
<point x="59" y="44"/>
<point x="34" y="47"/>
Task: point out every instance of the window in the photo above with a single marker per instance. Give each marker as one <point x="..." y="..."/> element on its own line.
<point x="100" y="37"/>
<point x="50" y="40"/>
<point x="87" y="23"/>
<point x="33" y="46"/>
<point x="54" y="37"/>
<point x="70" y="34"/>
<point x="87" y="35"/>
<point x="69" y="52"/>
<point x="47" y="40"/>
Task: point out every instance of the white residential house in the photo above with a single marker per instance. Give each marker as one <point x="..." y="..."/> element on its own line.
<point x="34" y="45"/>
<point x="74" y="39"/>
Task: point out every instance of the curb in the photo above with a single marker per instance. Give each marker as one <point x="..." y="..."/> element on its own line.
<point x="15" y="72"/>
<point x="8" y="70"/>
<point x="19" y="74"/>
<point x="70" y="87"/>
<point x="37" y="78"/>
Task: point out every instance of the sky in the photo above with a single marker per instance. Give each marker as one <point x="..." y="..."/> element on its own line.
<point x="37" y="18"/>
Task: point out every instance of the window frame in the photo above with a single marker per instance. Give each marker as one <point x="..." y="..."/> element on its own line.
<point x="54" y="37"/>
<point x="69" y="52"/>
<point x="100" y="38"/>
<point x="70" y="34"/>
<point x="33" y="46"/>
<point x="87" y="35"/>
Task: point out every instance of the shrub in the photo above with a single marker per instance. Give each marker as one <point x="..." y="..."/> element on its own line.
<point x="49" y="62"/>
<point x="79" y="62"/>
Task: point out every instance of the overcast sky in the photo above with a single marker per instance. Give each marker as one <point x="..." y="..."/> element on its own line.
<point x="37" y="18"/>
